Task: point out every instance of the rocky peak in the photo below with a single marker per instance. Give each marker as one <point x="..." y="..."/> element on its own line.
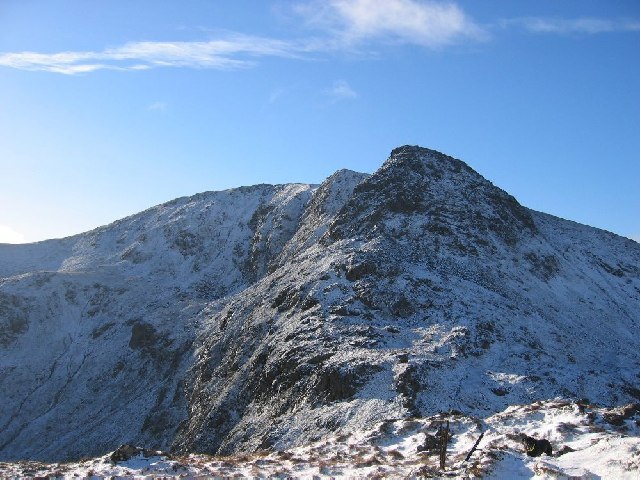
<point x="450" y="198"/>
<point x="325" y="203"/>
<point x="422" y="160"/>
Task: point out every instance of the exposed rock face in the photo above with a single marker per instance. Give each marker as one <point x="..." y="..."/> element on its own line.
<point x="269" y="316"/>
<point x="125" y="452"/>
<point x="451" y="199"/>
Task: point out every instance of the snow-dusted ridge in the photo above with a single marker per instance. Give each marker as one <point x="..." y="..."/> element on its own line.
<point x="272" y="317"/>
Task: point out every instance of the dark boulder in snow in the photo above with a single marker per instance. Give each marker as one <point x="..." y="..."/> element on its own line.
<point x="618" y="416"/>
<point x="535" y="447"/>
<point x="126" y="452"/>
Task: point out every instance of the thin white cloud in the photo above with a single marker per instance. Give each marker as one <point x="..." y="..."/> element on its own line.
<point x="341" y="90"/>
<point x="275" y="95"/>
<point x="9" y="235"/>
<point x="635" y="237"/>
<point x="158" y="106"/>
<point x="572" y="26"/>
<point x="345" y="25"/>
<point x="426" y="23"/>
<point x="236" y="51"/>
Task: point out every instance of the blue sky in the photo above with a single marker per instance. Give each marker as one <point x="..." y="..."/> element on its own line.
<point x="111" y="107"/>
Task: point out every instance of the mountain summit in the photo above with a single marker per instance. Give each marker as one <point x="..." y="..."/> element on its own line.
<point x="272" y="316"/>
<point x="427" y="185"/>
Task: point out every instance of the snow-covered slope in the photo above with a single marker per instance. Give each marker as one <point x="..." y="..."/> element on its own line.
<point x="269" y="317"/>
<point x="95" y="340"/>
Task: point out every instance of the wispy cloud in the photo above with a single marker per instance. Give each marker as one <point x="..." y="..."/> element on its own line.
<point x="343" y="25"/>
<point x="426" y="23"/>
<point x="275" y="95"/>
<point x="572" y="26"/>
<point x="157" y="106"/>
<point x="9" y="235"/>
<point x="235" y="51"/>
<point x="341" y="90"/>
<point x="340" y="25"/>
<point x="635" y="237"/>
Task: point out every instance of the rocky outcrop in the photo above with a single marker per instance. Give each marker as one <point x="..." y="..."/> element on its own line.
<point x="126" y="452"/>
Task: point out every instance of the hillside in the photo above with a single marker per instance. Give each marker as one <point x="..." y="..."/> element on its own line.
<point x="271" y="317"/>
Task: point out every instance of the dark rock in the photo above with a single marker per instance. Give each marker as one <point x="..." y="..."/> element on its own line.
<point x="142" y="335"/>
<point x="286" y="299"/>
<point x="544" y="266"/>
<point x="534" y="447"/>
<point x="358" y="271"/>
<point x="633" y="391"/>
<point x="408" y="385"/>
<point x="564" y="449"/>
<point x="616" y="271"/>
<point x="403" y="358"/>
<point x="402" y="308"/>
<point x="13" y="318"/>
<point x="431" y="444"/>
<point x="617" y="416"/>
<point x="157" y="422"/>
<point x="97" y="332"/>
<point x="125" y="452"/>
<point x="334" y="385"/>
<point x="500" y="391"/>
<point x="187" y="243"/>
<point x="308" y="303"/>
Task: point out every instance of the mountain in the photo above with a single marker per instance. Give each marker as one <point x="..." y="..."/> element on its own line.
<point x="269" y="317"/>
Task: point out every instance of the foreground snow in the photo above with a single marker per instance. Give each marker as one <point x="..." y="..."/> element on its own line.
<point x="598" y="443"/>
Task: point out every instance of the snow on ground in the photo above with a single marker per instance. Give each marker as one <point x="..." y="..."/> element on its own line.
<point x="588" y="443"/>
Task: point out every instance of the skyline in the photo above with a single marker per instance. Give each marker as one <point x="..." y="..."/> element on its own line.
<point x="112" y="108"/>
